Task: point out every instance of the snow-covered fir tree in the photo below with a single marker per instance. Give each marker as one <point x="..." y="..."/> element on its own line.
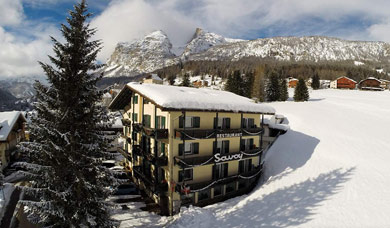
<point x="68" y="184"/>
<point x="273" y="88"/>
<point x="283" y="91"/>
<point x="301" y="93"/>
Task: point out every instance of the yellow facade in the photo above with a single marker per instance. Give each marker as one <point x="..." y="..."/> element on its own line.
<point x="138" y="108"/>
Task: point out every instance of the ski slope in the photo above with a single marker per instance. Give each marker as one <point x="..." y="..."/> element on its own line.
<point x="332" y="169"/>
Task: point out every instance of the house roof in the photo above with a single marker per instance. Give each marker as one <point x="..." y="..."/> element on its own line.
<point x="370" y="78"/>
<point x="177" y="98"/>
<point x="154" y="77"/>
<point x="7" y="122"/>
<point x="346" y="78"/>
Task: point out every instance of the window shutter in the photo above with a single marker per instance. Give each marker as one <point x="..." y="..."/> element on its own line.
<point x="214" y="147"/>
<point x="242" y="144"/>
<point x="181" y="149"/>
<point x="180" y="176"/>
<point x="163" y="148"/>
<point x="250" y="143"/>
<point x="181" y="119"/>
<point x="225" y="166"/>
<point x="214" y="173"/>
<point x="215" y="123"/>
<point x="251" y="123"/>
<point x="241" y="166"/>
<point x="196" y="122"/>
<point x="163" y="122"/>
<point x="226" y="146"/>
<point x="227" y="123"/>
<point x="250" y="165"/>
<point x="243" y="122"/>
<point x="195" y="148"/>
<point x="157" y="124"/>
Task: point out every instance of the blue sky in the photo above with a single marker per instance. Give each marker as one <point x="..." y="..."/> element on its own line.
<point x="25" y="25"/>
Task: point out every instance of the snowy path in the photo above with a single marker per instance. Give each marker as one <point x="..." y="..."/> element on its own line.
<point x="331" y="170"/>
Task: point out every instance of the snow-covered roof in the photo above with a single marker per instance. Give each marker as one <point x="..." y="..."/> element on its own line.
<point x="156" y="77"/>
<point x="7" y="122"/>
<point x="346" y="78"/>
<point x="370" y="78"/>
<point x="186" y="98"/>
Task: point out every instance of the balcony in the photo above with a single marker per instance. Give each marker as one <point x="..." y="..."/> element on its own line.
<point x="192" y="134"/>
<point x="151" y="132"/>
<point x="159" y="161"/>
<point x="149" y="181"/>
<point x="206" y="160"/>
<point x="255" y="173"/>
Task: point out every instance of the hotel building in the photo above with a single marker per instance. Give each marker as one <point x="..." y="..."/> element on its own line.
<point x="192" y="146"/>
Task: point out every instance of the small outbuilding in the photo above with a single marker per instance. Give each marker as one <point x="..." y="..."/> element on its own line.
<point x="343" y="83"/>
<point x="385" y="84"/>
<point x="370" y="83"/>
<point x="153" y="79"/>
<point x="292" y="82"/>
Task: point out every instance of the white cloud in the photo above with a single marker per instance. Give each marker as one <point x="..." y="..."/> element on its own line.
<point x="11" y="12"/>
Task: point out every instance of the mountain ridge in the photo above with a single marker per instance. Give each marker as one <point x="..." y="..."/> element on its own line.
<point x="155" y="51"/>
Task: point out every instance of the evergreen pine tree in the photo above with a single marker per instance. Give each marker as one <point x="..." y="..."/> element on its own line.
<point x="301" y="93"/>
<point x="315" y="81"/>
<point x="283" y="91"/>
<point x="68" y="184"/>
<point x="186" y="80"/>
<point x="273" y="87"/>
<point x="234" y="83"/>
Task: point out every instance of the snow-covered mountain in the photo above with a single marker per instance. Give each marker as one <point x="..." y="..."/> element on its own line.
<point x="145" y="55"/>
<point x="155" y="51"/>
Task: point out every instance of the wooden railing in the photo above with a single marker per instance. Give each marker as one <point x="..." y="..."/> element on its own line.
<point x="149" y="181"/>
<point x="196" y="187"/>
<point x="158" y="160"/>
<point x="151" y="132"/>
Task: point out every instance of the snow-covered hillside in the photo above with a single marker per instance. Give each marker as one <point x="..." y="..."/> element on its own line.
<point x="144" y="55"/>
<point x="298" y="49"/>
<point x="155" y="51"/>
<point x="330" y="170"/>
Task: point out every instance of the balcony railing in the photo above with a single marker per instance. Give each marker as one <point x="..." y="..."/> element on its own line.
<point x="151" y="132"/>
<point x="196" y="187"/>
<point x="158" y="160"/>
<point x="149" y="181"/>
<point x="191" y="134"/>
<point x="210" y="159"/>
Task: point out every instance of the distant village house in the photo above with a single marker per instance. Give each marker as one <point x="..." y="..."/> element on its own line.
<point x="370" y="83"/>
<point x="343" y="83"/>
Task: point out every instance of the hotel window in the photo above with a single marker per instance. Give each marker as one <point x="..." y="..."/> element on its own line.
<point x="221" y="147"/>
<point x="135" y="117"/>
<point x="134" y="136"/>
<point x="135" y="99"/>
<point x="222" y="123"/>
<point x="185" y="175"/>
<point x="220" y="171"/>
<point x="218" y="190"/>
<point x="203" y="195"/>
<point x="160" y="122"/>
<point x="147" y="120"/>
<point x="231" y="187"/>
<point x="245" y="166"/>
<point x="248" y="123"/>
<point x="188" y="148"/>
<point x="247" y="144"/>
<point x="189" y="121"/>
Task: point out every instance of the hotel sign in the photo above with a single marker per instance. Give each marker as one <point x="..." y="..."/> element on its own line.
<point x="229" y="157"/>
<point x="229" y="135"/>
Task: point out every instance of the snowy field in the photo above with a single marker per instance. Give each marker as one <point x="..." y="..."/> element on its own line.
<point x="332" y="169"/>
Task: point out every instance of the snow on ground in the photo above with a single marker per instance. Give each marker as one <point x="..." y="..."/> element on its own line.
<point x="330" y="170"/>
